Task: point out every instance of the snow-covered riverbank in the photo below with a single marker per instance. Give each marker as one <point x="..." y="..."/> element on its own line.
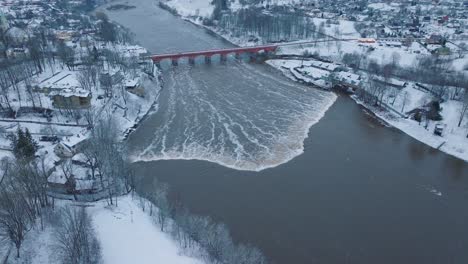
<point x="454" y="139"/>
<point x="129" y="235"/>
<point x="395" y="110"/>
<point x="126" y="234"/>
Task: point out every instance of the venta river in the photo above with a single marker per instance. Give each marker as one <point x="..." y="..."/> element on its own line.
<point x="306" y="176"/>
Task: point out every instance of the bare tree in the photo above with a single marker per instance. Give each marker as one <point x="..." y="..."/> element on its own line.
<point x="464" y="108"/>
<point x="85" y="80"/>
<point x="66" y="55"/>
<point x="395" y="59"/>
<point x="163" y="204"/>
<point x="462" y="48"/>
<point x="5" y="90"/>
<point x="104" y="153"/>
<point x="107" y="83"/>
<point x="16" y="214"/>
<point x="405" y="101"/>
<point x="90" y="116"/>
<point x="75" y="237"/>
<point x="246" y="255"/>
<point x="352" y="60"/>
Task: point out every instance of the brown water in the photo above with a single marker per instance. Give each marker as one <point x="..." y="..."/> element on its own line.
<point x="360" y="193"/>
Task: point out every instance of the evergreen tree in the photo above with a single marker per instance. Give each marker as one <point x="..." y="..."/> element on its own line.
<point x="23" y="145"/>
<point x="107" y="30"/>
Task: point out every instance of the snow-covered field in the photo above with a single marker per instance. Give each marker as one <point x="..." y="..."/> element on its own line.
<point x="204" y="8"/>
<point x="186" y="8"/>
<point x="381" y="53"/>
<point x="129" y="235"/>
<point x="340" y="28"/>
<point x="126" y="235"/>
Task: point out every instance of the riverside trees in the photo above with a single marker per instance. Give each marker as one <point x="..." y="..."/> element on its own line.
<point x="106" y="158"/>
<point x="283" y="25"/>
<point x="194" y="232"/>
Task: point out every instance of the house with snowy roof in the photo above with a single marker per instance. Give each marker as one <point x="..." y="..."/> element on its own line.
<point x="70" y="178"/>
<point x="64" y="150"/>
<point x="71" y="98"/>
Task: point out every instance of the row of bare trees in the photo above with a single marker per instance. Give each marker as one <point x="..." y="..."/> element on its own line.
<point x="279" y="25"/>
<point x="435" y="74"/>
<point x="194" y="233"/>
<point x="75" y="238"/>
<point x="106" y="158"/>
<point x="23" y="197"/>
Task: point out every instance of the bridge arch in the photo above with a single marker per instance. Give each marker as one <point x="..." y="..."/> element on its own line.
<point x="207" y="54"/>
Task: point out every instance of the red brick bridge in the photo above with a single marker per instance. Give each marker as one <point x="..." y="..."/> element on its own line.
<point x="191" y="55"/>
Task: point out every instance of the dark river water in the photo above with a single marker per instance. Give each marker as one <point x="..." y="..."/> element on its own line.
<point x="244" y="145"/>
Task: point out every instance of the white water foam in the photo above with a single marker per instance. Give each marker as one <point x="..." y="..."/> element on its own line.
<point x="256" y="122"/>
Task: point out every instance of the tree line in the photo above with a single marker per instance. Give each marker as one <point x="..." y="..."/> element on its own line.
<point x="194" y="233"/>
<point x="431" y="73"/>
<point x="275" y="25"/>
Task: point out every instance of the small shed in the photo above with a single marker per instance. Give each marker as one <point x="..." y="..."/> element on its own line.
<point x="64" y="150"/>
<point x="133" y="86"/>
<point x="435" y="39"/>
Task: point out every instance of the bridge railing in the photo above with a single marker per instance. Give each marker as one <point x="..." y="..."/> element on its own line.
<point x="209" y="53"/>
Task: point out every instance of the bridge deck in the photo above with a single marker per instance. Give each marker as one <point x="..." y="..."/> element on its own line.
<point x="193" y="54"/>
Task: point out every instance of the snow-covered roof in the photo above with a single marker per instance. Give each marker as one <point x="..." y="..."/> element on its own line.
<point x="65" y="146"/>
<point x="313" y="72"/>
<point x="323" y="65"/>
<point x="60" y="80"/>
<point x="73" y="140"/>
<point x="80" y="174"/>
<point x="69" y="92"/>
<point x="57" y="177"/>
<point x="131" y="82"/>
<point x="348" y="77"/>
<point x="16" y="32"/>
<point x="80" y="157"/>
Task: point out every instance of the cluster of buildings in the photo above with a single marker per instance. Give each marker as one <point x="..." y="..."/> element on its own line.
<point x="325" y="75"/>
<point x="432" y="21"/>
<point x="61" y="88"/>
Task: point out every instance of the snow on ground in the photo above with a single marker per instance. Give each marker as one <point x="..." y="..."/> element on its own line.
<point x="461" y="64"/>
<point x="38" y="248"/>
<point x="128" y="235"/>
<point x="376" y="51"/>
<point x="414" y="98"/>
<point x="383" y="7"/>
<point x="126" y="108"/>
<point x="298" y="70"/>
<point x="185" y="8"/>
<point x="342" y="28"/>
<point x="454" y="139"/>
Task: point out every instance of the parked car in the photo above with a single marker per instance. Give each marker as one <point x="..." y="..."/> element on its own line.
<point x="439" y="129"/>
